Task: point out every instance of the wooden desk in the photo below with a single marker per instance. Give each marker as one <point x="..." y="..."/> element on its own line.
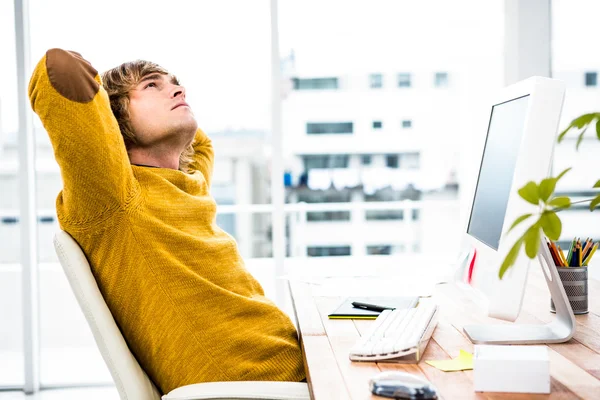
<point x="574" y="366"/>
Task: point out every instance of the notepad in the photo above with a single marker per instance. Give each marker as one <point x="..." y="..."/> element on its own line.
<point x="463" y="362"/>
<point x="347" y="311"/>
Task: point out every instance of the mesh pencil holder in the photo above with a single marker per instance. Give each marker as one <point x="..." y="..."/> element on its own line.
<point x="575" y="282"/>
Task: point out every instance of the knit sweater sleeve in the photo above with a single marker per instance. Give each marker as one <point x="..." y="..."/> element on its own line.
<point x="65" y="91"/>
<point x="204" y="155"/>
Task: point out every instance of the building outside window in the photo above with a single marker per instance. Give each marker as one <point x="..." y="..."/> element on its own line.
<point x="323" y="128"/>
<point x="385" y="249"/>
<point x="411" y="160"/>
<point x="339" y="161"/>
<point x="315" y="162"/>
<point x="321" y="216"/>
<point x="392" y="161"/>
<point x="441" y="79"/>
<point x="328" y="251"/>
<point x="591" y="79"/>
<point x="315" y="83"/>
<point x="384" y="215"/>
<point x="404" y="80"/>
<point x="325" y="196"/>
<point x="325" y="161"/>
<point x="416" y="213"/>
<point x="376" y="81"/>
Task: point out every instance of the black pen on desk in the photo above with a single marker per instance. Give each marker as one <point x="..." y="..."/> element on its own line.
<point x="370" y="307"/>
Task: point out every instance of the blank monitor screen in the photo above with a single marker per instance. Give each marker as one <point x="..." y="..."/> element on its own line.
<point x="497" y="169"/>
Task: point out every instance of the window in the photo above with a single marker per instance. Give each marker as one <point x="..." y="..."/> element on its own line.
<point x="315" y="162"/>
<point x="407" y="123"/>
<point x="384" y="215"/>
<point x="411" y="160"/>
<point x="392" y="161"/>
<point x="591" y="79"/>
<point x="386" y="250"/>
<point x="416" y="213"/>
<point x="10" y="220"/>
<point x="377" y="124"/>
<point x="326" y="161"/>
<point x="320" y="128"/>
<point x="376" y="81"/>
<point x="319" y="216"/>
<point x="328" y="196"/>
<point x="441" y="79"/>
<point x="318" y="251"/>
<point x="315" y="83"/>
<point x="366" y="159"/>
<point x="339" y="161"/>
<point x="404" y="80"/>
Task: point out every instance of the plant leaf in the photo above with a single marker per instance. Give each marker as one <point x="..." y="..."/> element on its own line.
<point x="598" y="128"/>
<point x="519" y="220"/>
<point x="560" y="202"/>
<point x="530" y="193"/>
<point x="563" y="133"/>
<point x="551" y="224"/>
<point x="583" y="120"/>
<point x="562" y="174"/>
<point x="580" y="138"/>
<point x="597" y="184"/>
<point x="532" y="240"/>
<point x="546" y="188"/>
<point x="595" y="202"/>
<point x="510" y="258"/>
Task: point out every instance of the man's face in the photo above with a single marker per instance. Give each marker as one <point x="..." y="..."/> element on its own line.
<point x="159" y="114"/>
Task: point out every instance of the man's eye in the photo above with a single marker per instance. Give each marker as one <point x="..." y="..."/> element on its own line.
<point x="148" y="85"/>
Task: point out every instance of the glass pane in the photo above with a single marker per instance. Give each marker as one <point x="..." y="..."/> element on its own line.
<point x="227" y="79"/>
<point x="11" y="327"/>
<point x="396" y="152"/>
<point x="575" y="61"/>
<point x="69" y="354"/>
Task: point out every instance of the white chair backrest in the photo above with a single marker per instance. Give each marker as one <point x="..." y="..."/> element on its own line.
<point x="130" y="379"/>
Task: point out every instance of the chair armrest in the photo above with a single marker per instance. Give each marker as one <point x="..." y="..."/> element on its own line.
<point x="241" y="390"/>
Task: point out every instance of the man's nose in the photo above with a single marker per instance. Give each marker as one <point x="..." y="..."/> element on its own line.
<point x="178" y="91"/>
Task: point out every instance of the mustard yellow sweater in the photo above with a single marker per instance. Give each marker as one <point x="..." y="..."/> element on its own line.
<point x="173" y="280"/>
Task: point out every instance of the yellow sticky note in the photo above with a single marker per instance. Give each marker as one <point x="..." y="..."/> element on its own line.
<point x="463" y="362"/>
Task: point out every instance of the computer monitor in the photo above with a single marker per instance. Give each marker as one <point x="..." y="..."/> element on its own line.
<point x="518" y="148"/>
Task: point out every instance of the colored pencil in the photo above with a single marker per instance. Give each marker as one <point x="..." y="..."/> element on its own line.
<point x="570" y="255"/>
<point x="588" y="258"/>
<point x="562" y="256"/>
<point x="554" y="255"/>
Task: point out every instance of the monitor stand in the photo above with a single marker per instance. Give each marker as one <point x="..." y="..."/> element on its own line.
<point x="559" y="330"/>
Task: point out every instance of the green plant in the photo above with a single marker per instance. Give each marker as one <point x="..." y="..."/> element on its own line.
<point x="542" y="194"/>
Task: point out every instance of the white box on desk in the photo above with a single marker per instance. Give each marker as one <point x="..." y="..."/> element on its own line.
<point x="513" y="369"/>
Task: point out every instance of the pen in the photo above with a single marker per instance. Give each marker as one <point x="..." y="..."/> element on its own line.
<point x="370" y="307"/>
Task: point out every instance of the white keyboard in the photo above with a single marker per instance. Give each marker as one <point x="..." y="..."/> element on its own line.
<point x="399" y="335"/>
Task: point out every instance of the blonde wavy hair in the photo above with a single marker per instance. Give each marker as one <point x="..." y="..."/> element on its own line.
<point x="118" y="83"/>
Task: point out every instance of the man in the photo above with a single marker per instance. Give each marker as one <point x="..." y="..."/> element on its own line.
<point x="136" y="198"/>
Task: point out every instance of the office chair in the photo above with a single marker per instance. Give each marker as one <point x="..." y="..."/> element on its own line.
<point x="130" y="379"/>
